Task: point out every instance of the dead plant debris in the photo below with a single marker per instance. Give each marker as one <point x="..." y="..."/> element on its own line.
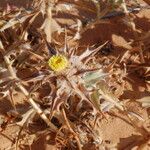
<point x="75" y="75"/>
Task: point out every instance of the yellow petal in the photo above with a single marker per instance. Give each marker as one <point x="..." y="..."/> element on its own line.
<point x="58" y="62"/>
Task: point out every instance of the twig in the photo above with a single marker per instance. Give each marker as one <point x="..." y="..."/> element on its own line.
<point x="22" y="124"/>
<point x="71" y="130"/>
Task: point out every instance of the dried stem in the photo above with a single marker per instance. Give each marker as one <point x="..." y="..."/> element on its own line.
<point x="71" y="130"/>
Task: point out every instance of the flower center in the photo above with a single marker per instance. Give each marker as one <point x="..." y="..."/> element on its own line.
<point x="58" y="62"/>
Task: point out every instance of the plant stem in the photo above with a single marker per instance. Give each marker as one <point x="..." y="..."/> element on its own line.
<point x="71" y="130"/>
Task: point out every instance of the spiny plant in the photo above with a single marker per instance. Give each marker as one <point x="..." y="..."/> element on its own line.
<point x="66" y="73"/>
<point x="78" y="92"/>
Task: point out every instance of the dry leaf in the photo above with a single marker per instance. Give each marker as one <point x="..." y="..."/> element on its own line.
<point x="105" y="92"/>
<point x="145" y="101"/>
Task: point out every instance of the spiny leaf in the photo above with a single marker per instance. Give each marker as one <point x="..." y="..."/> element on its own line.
<point x="89" y="52"/>
<point x="18" y="19"/>
<point x="50" y="25"/>
<point x="91" y="78"/>
<point x="95" y="100"/>
<point x="105" y="92"/>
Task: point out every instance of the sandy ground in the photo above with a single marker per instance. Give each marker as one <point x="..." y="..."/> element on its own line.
<point x="114" y="130"/>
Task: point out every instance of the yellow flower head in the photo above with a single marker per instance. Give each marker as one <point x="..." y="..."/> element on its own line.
<point x="58" y="62"/>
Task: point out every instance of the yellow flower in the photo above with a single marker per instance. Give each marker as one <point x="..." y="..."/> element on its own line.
<point x="58" y="62"/>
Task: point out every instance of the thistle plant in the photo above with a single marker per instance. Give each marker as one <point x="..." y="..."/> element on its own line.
<point x="77" y="75"/>
<point x="68" y="88"/>
<point x="68" y="74"/>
